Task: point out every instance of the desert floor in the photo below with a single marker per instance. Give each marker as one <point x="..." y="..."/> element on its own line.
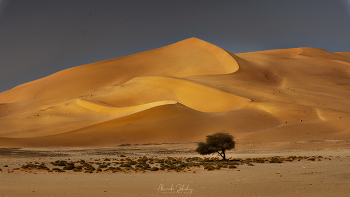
<point x="327" y="175"/>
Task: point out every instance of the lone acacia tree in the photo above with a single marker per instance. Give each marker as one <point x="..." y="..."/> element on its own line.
<point x="217" y="142"/>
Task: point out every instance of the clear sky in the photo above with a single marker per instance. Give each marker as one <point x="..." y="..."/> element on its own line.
<point x="41" y="37"/>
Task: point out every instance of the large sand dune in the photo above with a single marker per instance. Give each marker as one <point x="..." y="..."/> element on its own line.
<point x="181" y="93"/>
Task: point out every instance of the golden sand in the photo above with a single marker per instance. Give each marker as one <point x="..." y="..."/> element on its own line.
<point x="181" y="93"/>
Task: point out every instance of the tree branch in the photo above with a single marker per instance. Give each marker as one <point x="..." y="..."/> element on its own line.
<point x="220" y="154"/>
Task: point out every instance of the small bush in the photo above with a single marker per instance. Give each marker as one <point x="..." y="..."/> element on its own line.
<point x="172" y="167"/>
<point x="292" y="158"/>
<point x="81" y="161"/>
<point x="232" y="166"/>
<point x="154" y="169"/>
<point x="196" y="165"/>
<point x="57" y="170"/>
<point x="88" y="167"/>
<point x="125" y="165"/>
<point x="124" y="144"/>
<point x="232" y="163"/>
<point x="275" y="160"/>
<point x="178" y="169"/>
<point x="129" y="168"/>
<point x="59" y="163"/>
<point x="102" y="166"/>
<point x="69" y="166"/>
<point x="41" y="166"/>
<point x="160" y="161"/>
<point x="258" y="160"/>
<point x="117" y="169"/>
<point x="132" y="162"/>
<point x="110" y="169"/>
<point x="33" y="166"/>
<point x="208" y="167"/>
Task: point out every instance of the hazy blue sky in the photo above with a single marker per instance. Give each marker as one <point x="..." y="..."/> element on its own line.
<point x="41" y="37"/>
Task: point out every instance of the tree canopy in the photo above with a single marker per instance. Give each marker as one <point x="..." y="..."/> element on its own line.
<point x="216" y="143"/>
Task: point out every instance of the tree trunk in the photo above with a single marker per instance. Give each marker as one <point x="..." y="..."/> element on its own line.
<point x="222" y="155"/>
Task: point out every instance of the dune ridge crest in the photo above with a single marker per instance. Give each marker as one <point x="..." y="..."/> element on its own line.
<point x="119" y="111"/>
<point x="181" y="93"/>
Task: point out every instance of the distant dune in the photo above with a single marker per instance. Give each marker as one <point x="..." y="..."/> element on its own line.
<point x="181" y="93"/>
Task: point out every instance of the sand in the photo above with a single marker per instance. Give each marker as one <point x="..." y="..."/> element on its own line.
<point x="182" y="92"/>
<point x="329" y="176"/>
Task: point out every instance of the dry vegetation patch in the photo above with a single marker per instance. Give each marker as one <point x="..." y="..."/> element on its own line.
<point x="143" y="164"/>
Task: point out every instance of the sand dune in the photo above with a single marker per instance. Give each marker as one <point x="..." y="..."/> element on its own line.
<point x="192" y="94"/>
<point x="182" y="92"/>
<point x="119" y="111"/>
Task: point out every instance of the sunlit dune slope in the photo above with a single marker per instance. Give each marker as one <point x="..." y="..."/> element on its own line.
<point x="181" y="93"/>
<point x="188" y="57"/>
<point x="194" y="95"/>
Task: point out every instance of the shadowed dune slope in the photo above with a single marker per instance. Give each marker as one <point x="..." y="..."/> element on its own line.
<point x="163" y="124"/>
<point x="181" y="93"/>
